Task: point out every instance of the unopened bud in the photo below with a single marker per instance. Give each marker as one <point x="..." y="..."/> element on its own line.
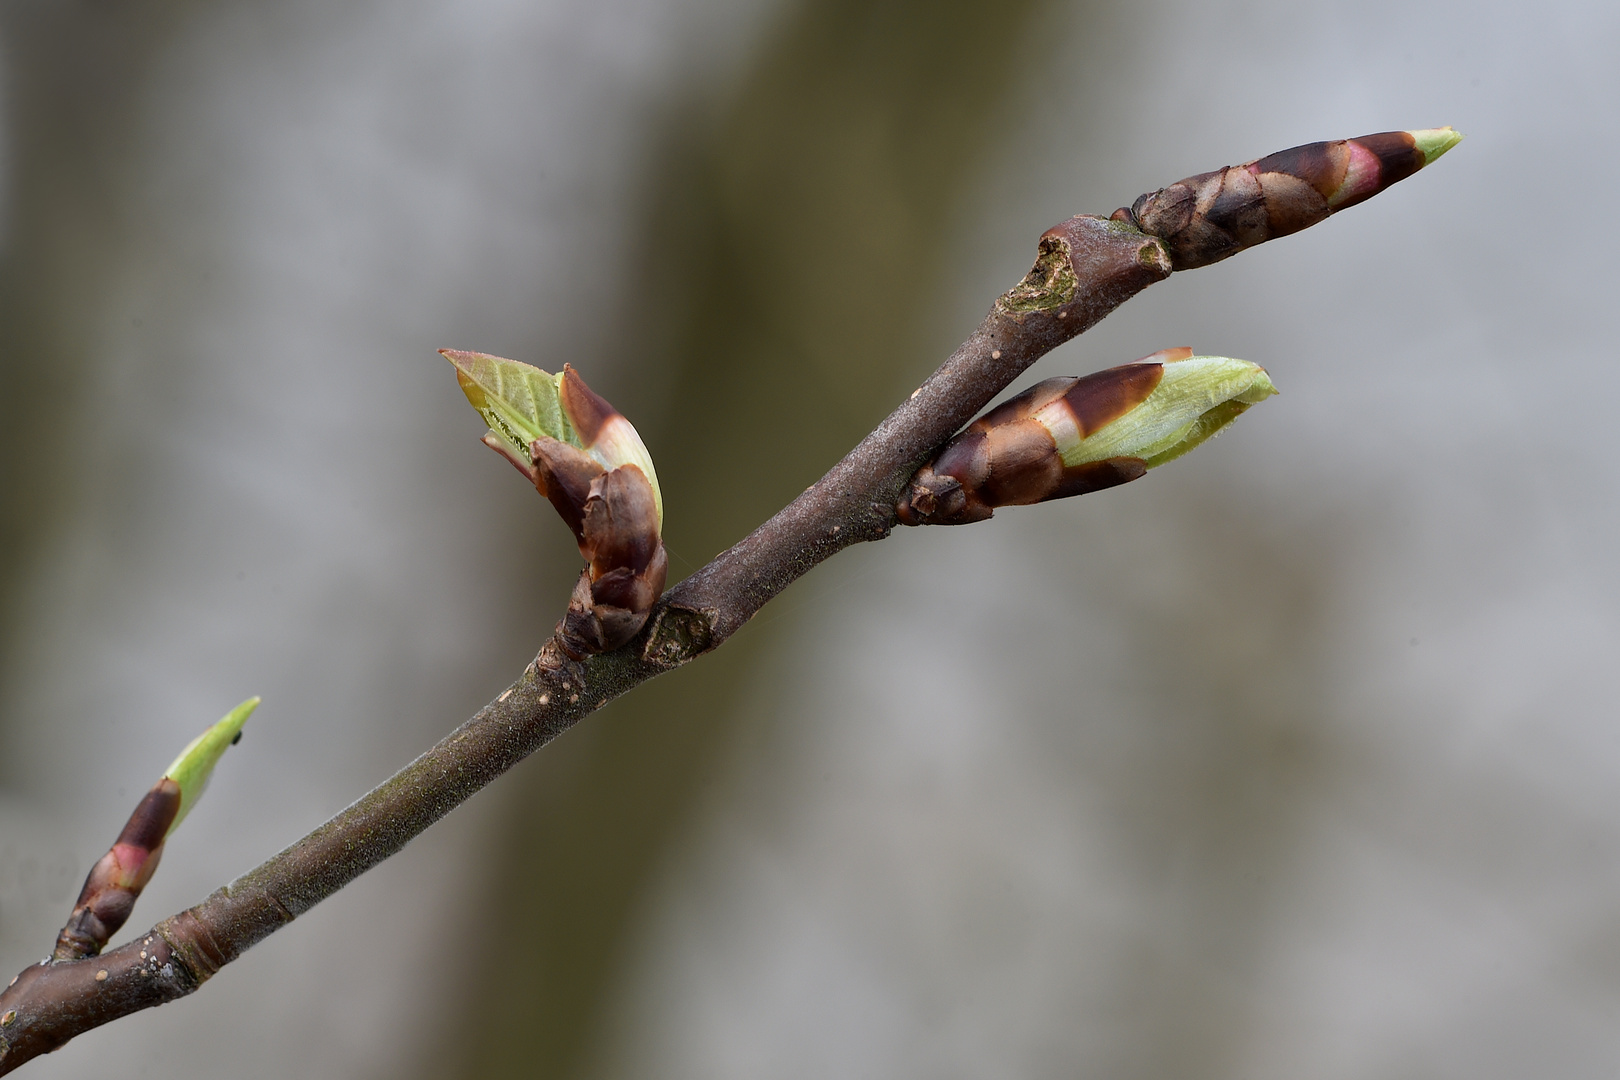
<point x="116" y="880"/>
<point x="1208" y="217"/>
<point x="1070" y="436"/>
<point x="587" y="459"/>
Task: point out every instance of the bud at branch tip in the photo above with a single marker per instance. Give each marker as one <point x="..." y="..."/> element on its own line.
<point x="1214" y="215"/>
<point x="195" y="765"/>
<point x="116" y="880"/>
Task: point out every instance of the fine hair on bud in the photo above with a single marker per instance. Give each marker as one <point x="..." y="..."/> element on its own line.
<point x="1069" y="436"/>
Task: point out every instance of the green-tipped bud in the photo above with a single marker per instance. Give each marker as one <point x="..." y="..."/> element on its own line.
<point x="115" y="882"/>
<point x="1435" y="141"/>
<point x="1214" y="215"/>
<point x="195" y="765"/>
<point x="1195" y="398"/>
<point x="522" y="404"/>
<point x="586" y="458"/>
<point x="1070" y="436"/>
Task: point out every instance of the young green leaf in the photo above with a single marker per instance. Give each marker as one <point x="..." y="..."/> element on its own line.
<point x="196" y="762"/>
<point x="523" y="404"/>
<point x="1193" y="399"/>
<point x="518" y="401"/>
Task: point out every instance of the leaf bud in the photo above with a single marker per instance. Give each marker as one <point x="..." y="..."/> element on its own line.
<point x="116" y="880"/>
<point x="1069" y="436"/>
<point x="1214" y="215"/>
<point x="586" y="458"/>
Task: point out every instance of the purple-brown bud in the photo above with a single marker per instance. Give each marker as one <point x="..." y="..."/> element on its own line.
<point x="1208" y="217"/>
<point x="115" y="882"/>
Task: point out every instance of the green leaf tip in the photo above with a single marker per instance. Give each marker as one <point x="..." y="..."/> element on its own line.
<point x="1435" y="141"/>
<point x="195" y="765"/>
<point x="1188" y="400"/>
<point x="1213" y="390"/>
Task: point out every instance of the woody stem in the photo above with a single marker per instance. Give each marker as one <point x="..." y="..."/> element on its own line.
<point x="1088" y="267"/>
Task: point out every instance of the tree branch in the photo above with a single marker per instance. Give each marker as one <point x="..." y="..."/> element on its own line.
<point x="1085" y="268"/>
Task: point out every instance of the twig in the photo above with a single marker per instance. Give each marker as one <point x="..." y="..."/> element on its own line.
<point x="1085" y="268"/>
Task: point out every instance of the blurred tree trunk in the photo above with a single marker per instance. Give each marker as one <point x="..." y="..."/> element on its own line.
<point x="792" y="256"/>
<point x="75" y="76"/>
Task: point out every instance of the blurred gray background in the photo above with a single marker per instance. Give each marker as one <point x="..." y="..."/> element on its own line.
<point x="1297" y="758"/>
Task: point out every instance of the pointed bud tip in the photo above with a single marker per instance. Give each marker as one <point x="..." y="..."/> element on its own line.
<point x="192" y="769"/>
<point x="459" y="357"/>
<point x="1435" y="141"/>
<point x="1261" y="388"/>
<point x="1197" y="397"/>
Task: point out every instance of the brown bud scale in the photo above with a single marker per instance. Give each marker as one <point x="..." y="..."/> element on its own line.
<point x="614" y="518"/>
<point x="1214" y="215"/>
<point x="587" y="410"/>
<point x="1009" y="458"/>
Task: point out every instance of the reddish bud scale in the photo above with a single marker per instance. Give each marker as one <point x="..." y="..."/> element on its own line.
<point x="614" y="516"/>
<point x="587" y="410"/>
<point x="116" y="881"/>
<point x="614" y="519"/>
<point x="1214" y="215"/>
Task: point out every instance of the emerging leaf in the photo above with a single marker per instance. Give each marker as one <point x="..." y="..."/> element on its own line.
<point x="1194" y="398"/>
<point x="195" y="765"/>
<point x="1071" y="436"/>
<point x="523" y="405"/>
<point x="584" y="456"/>
<point x="518" y="401"/>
